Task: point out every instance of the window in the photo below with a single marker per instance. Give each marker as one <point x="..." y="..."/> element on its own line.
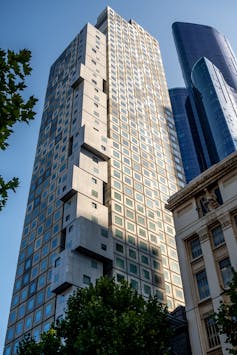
<point x="94" y="180"/>
<point x="129" y="214"/>
<point x="86" y="279"/>
<point x="120" y="277"/>
<point x="94" y="205"/>
<point x="226" y="271"/>
<point x="103" y="246"/>
<point x="217" y="236"/>
<point x="195" y="248"/>
<point x="160" y="295"/>
<point x="156" y="265"/>
<point x="48" y="310"/>
<point x="28" y="322"/>
<point x="212" y="332"/>
<point x="202" y="284"/>
<point x="132" y="253"/>
<point x="21" y="311"/>
<point x="117" y="196"/>
<point x="104" y="232"/>
<point x="94" y="193"/>
<point x="94" y="264"/>
<point x="118" y="220"/>
<point x="30" y="305"/>
<point x="19" y="328"/>
<point x="147" y="290"/>
<point x="134" y="284"/>
<point x="38" y="316"/>
<point x="95" y="159"/>
<point x="40" y="298"/>
<point x="118" y="234"/>
<point x="144" y="259"/>
<point x="119" y="262"/>
<point x="119" y="248"/>
<point x="133" y="268"/>
<point x="146" y="274"/>
<point x="117" y="207"/>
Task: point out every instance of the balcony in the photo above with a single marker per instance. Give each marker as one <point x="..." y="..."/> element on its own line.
<point x="63" y="273"/>
<point x="91" y="239"/>
<point x="93" y="141"/>
<point x="70" y="187"/>
<point x="77" y="77"/>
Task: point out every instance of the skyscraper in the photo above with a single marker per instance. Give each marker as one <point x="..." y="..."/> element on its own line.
<point x="217" y="109"/>
<point x="194" y="42"/>
<point x="107" y="160"/>
<point x="181" y="110"/>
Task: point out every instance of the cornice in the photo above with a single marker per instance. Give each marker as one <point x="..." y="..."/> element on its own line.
<point x="202" y="181"/>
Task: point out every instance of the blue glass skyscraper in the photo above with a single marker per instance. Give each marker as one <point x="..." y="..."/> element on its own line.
<point x="194" y="41"/>
<point x="212" y="125"/>
<point x="180" y="106"/>
<point x="217" y="109"/>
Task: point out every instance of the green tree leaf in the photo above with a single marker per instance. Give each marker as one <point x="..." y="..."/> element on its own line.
<point x="14" y="67"/>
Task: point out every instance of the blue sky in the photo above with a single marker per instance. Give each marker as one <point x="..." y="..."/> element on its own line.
<point x="46" y="27"/>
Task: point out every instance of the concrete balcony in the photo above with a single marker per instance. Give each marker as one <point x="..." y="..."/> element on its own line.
<point x="70" y="187"/>
<point x="63" y="274"/>
<point x="91" y="239"/>
<point x="85" y="73"/>
<point x="73" y="269"/>
<point x="80" y="182"/>
<point x="96" y="143"/>
<point x="77" y="77"/>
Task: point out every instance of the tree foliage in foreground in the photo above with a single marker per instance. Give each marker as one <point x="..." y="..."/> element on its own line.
<point x="14" y="68"/>
<point x="106" y="319"/>
<point x="226" y="317"/>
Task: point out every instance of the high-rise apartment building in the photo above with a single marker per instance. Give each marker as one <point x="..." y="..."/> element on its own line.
<point x="209" y="69"/>
<point x="106" y="162"/>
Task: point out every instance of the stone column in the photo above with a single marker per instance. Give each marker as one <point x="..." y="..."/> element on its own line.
<point x="191" y="308"/>
<point x="212" y="277"/>
<point x="230" y="239"/>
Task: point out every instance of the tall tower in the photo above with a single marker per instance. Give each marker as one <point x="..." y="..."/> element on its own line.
<point x="107" y="160"/>
<point x="182" y="110"/>
<point x="199" y="47"/>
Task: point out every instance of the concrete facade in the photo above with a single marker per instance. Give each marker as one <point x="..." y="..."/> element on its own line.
<point x="106" y="162"/>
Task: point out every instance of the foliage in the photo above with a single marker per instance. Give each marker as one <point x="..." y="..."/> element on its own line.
<point x="49" y="344"/>
<point x="4" y="187"/>
<point x="108" y="319"/>
<point x="14" y="67"/>
<point x="226" y="317"/>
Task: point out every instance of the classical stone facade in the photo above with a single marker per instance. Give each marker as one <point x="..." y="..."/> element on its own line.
<point x="205" y="214"/>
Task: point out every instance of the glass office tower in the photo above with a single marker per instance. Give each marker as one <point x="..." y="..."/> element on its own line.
<point x="107" y="160"/>
<point x="217" y="109"/>
<point x="180" y="107"/>
<point x="193" y="42"/>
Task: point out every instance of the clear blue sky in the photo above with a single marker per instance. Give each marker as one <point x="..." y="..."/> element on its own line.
<point x="46" y="27"/>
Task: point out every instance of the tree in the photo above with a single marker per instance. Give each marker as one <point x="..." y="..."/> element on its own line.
<point x="226" y="317"/>
<point x="14" y="68"/>
<point x="106" y="319"/>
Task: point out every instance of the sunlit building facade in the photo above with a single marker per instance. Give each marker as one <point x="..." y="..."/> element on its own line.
<point x="106" y="162"/>
<point x="205" y="215"/>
